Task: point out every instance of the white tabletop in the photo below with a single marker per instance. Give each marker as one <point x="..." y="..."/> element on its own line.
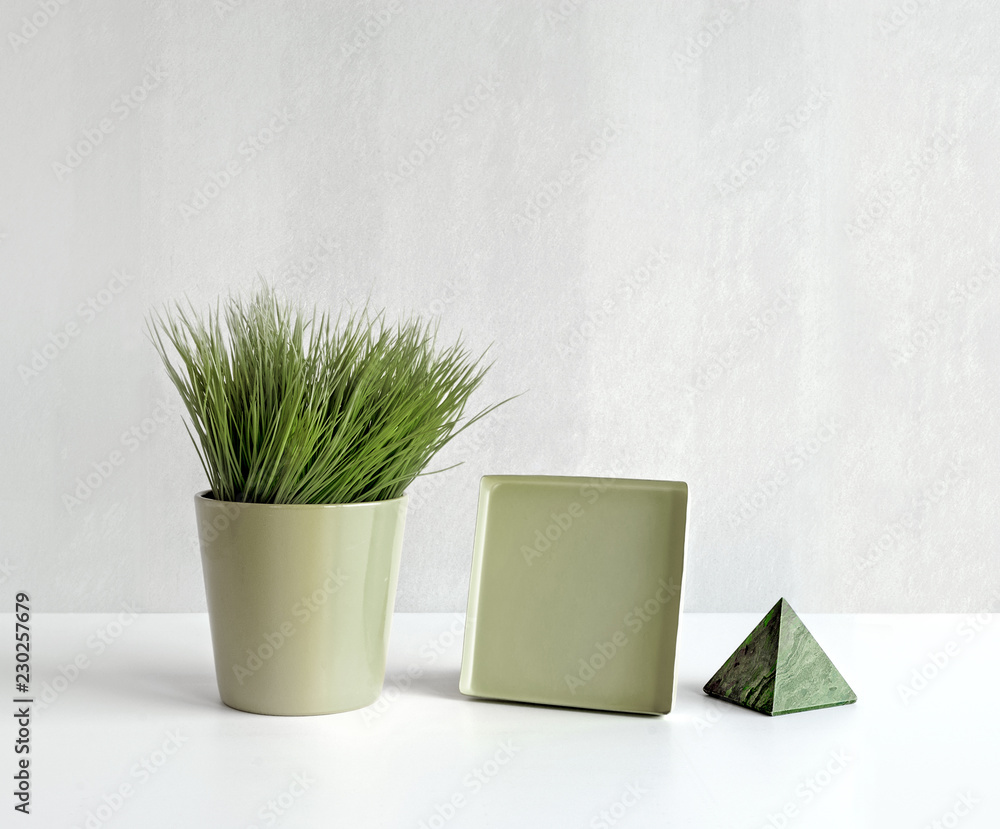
<point x="139" y="738"/>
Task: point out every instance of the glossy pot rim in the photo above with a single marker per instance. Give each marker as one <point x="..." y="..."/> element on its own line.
<point x="205" y="496"/>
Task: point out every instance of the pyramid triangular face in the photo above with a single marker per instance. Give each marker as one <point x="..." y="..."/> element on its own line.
<point x="805" y="678"/>
<point x="747" y="677"/>
<point x="780" y="669"/>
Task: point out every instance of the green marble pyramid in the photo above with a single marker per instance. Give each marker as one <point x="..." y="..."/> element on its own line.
<point x="780" y="669"/>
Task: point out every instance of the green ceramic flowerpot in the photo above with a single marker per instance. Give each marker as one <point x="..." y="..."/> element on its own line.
<point x="300" y="599"/>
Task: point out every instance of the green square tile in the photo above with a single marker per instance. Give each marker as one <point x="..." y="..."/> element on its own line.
<point x="576" y="593"/>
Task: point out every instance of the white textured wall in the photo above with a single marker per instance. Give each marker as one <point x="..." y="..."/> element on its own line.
<point x="752" y="246"/>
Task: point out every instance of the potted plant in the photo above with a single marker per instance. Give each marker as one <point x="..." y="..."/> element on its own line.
<point x="309" y="429"/>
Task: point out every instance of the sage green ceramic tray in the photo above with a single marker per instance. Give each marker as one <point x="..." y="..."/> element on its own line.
<point x="575" y="595"/>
